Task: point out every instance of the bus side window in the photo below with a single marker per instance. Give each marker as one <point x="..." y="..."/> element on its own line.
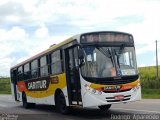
<point x="27" y="72"/>
<point x="43" y="66"/>
<point x="34" y="69"/>
<point x="56" y="62"/>
<point x="49" y="63"/>
<point x="13" y="76"/>
<point x="20" y="73"/>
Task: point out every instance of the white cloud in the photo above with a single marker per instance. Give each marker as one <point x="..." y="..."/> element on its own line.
<point x="13" y="18"/>
<point x="43" y="44"/>
<point x="5" y="64"/>
<point x="5" y="50"/>
<point x="15" y="33"/>
<point x="4" y="2"/>
<point x="41" y="32"/>
<point x="3" y="35"/>
<point x="28" y="5"/>
<point x="142" y="65"/>
<point x="11" y="41"/>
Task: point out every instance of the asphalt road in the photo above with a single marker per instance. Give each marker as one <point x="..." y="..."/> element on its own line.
<point x="144" y="109"/>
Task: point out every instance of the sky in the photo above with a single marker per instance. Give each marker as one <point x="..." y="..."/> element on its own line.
<point x="28" y="27"/>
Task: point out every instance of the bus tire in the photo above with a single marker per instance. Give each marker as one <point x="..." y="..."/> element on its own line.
<point x="104" y="107"/>
<point x="25" y="103"/>
<point x="61" y="103"/>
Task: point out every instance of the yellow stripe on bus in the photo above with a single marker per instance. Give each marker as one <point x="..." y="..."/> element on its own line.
<point x="51" y="89"/>
<point x="96" y="86"/>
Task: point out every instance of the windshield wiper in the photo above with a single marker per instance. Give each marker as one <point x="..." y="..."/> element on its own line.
<point x="107" y="53"/>
<point x="119" y="52"/>
<point x="121" y="48"/>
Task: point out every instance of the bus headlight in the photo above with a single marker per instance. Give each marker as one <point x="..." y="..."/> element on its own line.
<point x="92" y="90"/>
<point x="136" y="88"/>
<point x="99" y="92"/>
<point x="87" y="87"/>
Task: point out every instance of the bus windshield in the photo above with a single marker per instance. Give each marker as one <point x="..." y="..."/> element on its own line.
<point x="102" y="62"/>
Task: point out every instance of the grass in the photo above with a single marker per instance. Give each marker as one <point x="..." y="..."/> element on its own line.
<point x="150" y="86"/>
<point x="148" y="77"/>
<point x="5" y="87"/>
<point x="151" y="93"/>
<point x="148" y="73"/>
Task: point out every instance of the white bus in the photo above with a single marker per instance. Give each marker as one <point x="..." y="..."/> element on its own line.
<point x="89" y="69"/>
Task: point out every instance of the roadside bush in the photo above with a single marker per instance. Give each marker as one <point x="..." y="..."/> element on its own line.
<point x="148" y="77"/>
<point x="5" y="86"/>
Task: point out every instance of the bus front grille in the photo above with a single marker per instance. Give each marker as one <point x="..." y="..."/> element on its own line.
<point x="112" y="99"/>
<point x="116" y="91"/>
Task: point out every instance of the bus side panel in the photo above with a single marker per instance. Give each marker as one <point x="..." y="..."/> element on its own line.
<point x="45" y="93"/>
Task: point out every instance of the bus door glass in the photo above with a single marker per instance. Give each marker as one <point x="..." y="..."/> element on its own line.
<point x="73" y="78"/>
<point x="14" y="81"/>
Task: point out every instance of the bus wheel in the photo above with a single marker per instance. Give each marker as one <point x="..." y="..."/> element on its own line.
<point x="61" y="104"/>
<point x="104" y="107"/>
<point x="25" y="103"/>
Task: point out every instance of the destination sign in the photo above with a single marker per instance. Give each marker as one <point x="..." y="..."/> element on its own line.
<point x="106" y="37"/>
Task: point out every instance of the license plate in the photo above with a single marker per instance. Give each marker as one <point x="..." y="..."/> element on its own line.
<point x="119" y="97"/>
<point x="117" y="87"/>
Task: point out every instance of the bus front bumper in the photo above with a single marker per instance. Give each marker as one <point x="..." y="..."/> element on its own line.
<point x="91" y="99"/>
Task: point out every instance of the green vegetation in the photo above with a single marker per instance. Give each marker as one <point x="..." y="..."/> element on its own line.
<point x="5" y="86"/>
<point x="148" y="73"/>
<point x="150" y="86"/>
<point x="150" y="93"/>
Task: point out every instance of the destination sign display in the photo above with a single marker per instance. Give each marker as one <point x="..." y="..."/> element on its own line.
<point x="106" y="37"/>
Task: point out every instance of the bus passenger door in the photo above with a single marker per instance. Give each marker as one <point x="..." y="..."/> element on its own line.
<point x="14" y="82"/>
<point x="73" y="79"/>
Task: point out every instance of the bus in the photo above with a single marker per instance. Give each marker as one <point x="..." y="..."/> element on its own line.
<point x="94" y="69"/>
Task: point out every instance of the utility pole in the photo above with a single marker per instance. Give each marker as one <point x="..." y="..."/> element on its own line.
<point x="156" y="62"/>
